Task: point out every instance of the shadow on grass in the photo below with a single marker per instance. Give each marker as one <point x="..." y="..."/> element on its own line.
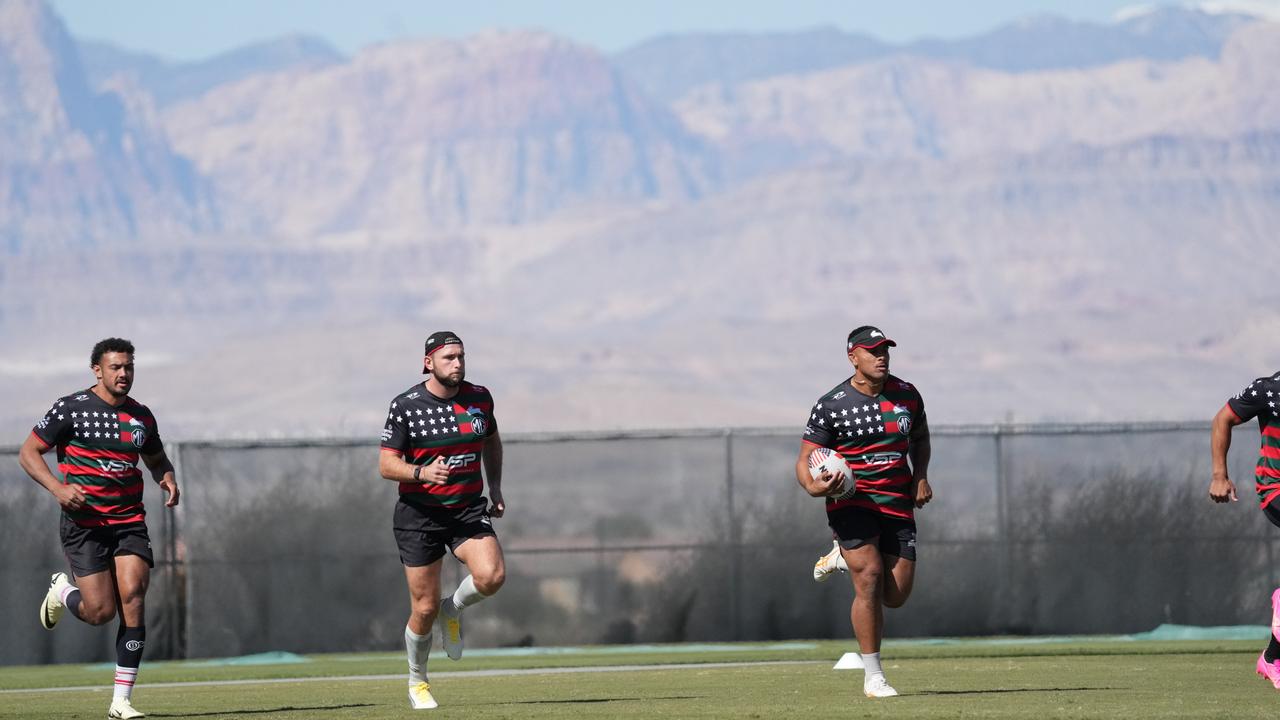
<point x="263" y="711"/>
<point x="995" y="691"/>
<point x="592" y="700"/>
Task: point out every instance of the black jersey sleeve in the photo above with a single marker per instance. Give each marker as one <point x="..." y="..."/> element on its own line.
<point x="1258" y="398"/>
<point x="395" y="434"/>
<point x="56" y="425"/>
<point x="920" y="428"/>
<point x="816" y="430"/>
<point x="153" y="444"/>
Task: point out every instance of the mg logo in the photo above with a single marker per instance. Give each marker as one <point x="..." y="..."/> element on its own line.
<point x="904" y="424"/>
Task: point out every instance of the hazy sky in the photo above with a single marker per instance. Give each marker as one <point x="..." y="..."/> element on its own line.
<point x="188" y="30"/>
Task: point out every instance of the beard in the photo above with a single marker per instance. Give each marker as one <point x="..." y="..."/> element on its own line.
<point x="449" y="381"/>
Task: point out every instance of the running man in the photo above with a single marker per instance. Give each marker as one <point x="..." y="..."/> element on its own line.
<point x="100" y="434"/>
<point x="877" y="423"/>
<point x="1258" y="400"/>
<point x="438" y="436"/>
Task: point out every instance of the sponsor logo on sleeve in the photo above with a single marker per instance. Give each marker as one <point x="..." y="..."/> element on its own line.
<point x="478" y="422"/>
<point x="386" y="434"/>
<point x="138" y="432"/>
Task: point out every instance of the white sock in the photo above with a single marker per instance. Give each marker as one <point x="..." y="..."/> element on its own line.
<point x="871" y="661"/>
<point x="125" y="678"/>
<point x="466" y="595"/>
<point x="418" y="647"/>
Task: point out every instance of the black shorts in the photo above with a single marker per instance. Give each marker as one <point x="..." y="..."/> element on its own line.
<point x="855" y="527"/>
<point x="1272" y="511"/>
<point x="89" y="549"/>
<point x="424" y="531"/>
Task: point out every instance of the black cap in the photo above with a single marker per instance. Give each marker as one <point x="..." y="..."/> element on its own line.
<point x="437" y="340"/>
<point x="868" y="337"/>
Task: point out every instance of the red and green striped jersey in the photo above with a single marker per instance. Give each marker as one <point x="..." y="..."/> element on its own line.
<point x="98" y="449"/>
<point x="1259" y="400"/>
<point x="874" y="435"/>
<point x="421" y="427"/>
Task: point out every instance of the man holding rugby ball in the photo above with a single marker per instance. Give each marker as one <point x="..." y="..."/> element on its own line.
<point x="877" y="423"/>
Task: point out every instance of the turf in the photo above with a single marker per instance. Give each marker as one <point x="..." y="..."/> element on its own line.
<point x="1192" y="679"/>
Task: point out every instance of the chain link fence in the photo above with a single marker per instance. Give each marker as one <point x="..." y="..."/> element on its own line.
<point x="671" y="536"/>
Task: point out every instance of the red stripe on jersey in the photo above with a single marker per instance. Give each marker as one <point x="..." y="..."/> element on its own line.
<point x="445" y="490"/>
<point x="96" y="454"/>
<point x="879" y="484"/>
<point x="868" y="505"/>
<point x="1270" y="496"/>
<point x="1271" y="452"/>
<point x="44" y="446"/>
<point x="1264" y="471"/>
<point x="131" y="508"/>
<point x="1271" y="431"/>
<point x="395" y="451"/>
<point x="107" y="522"/>
<point x="133" y="488"/>
<point x="894" y="446"/>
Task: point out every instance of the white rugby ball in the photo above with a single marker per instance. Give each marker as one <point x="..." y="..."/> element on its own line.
<point x="831" y="461"/>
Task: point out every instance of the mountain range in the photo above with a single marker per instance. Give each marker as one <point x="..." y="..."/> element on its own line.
<point x="1056" y="220"/>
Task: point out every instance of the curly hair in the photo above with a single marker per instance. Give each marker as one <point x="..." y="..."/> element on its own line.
<point x="109" y="345"/>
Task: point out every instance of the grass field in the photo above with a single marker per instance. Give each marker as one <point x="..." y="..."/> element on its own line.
<point x="993" y="679"/>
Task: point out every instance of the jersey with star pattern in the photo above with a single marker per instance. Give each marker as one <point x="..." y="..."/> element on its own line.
<point x="1259" y="400"/>
<point x="873" y="434"/>
<point x="421" y="427"/>
<point x="99" y="446"/>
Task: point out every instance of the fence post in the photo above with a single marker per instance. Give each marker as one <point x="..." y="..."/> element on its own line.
<point x="179" y="606"/>
<point x="735" y="587"/>
<point x="1003" y="532"/>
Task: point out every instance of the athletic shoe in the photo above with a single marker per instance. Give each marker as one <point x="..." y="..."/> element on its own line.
<point x="877" y="687"/>
<point x="828" y="564"/>
<point x="1269" y="670"/>
<point x="420" y="697"/>
<point x="51" y="608"/>
<point x="1275" y="614"/>
<point x="122" y="710"/>
<point x="451" y="629"/>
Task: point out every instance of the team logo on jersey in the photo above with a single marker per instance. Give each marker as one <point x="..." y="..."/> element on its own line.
<point x="904" y="424"/>
<point x="478" y="422"/>
<point x="81" y="398"/>
<point x="838" y="395"/>
<point x="411" y="395"/>
<point x="139" y="433"/>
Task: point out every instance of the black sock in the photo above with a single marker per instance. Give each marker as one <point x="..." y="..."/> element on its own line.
<point x="129" y="643"/>
<point x="1272" y="653"/>
<point x="73" y="604"/>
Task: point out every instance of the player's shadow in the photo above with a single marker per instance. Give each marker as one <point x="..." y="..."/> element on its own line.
<point x="260" y="711"/>
<point x="589" y="701"/>
<point x="994" y="691"/>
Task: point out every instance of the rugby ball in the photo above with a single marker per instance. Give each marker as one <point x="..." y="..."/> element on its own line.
<point x="833" y="463"/>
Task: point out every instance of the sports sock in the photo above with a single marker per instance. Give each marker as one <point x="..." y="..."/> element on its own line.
<point x="1272" y="653"/>
<point x="70" y="597"/>
<point x="419" y="648"/>
<point x="466" y="595"/>
<point x="129" y="644"/>
<point x="871" y="661"/>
